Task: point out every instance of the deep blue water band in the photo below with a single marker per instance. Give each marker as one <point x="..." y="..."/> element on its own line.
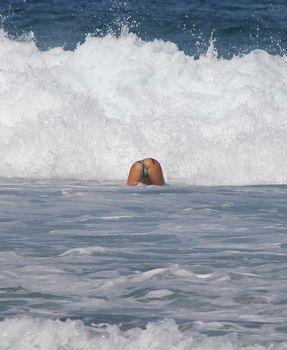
<point x="238" y="27"/>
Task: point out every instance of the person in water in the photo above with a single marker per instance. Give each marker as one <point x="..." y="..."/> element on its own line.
<point x="147" y="171"/>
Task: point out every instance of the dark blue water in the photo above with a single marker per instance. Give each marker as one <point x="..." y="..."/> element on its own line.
<point x="238" y="26"/>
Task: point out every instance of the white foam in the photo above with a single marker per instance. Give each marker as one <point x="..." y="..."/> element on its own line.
<point x="87" y="251"/>
<point x="106" y="218"/>
<point x="158" y="294"/>
<point x="169" y="272"/>
<point x="28" y="333"/>
<point x="91" y="112"/>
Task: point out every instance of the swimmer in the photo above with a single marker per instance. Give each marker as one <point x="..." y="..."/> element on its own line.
<point x="147" y="171"/>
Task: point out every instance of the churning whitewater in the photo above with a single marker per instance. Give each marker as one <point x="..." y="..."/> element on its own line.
<point x="88" y="114"/>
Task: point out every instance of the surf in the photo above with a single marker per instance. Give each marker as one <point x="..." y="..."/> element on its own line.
<point x="89" y="113"/>
<point x="19" y="333"/>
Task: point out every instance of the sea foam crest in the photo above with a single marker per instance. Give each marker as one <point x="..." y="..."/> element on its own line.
<point x="28" y="333"/>
<point x="89" y="113"/>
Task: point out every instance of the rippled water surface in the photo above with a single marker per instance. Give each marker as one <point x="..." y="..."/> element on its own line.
<point x="211" y="258"/>
<point x="87" y="88"/>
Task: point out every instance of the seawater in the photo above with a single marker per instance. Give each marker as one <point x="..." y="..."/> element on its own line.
<point x="89" y="266"/>
<point x="239" y="27"/>
<point x="87" y="88"/>
<point x="119" y="95"/>
<point x="89" y="113"/>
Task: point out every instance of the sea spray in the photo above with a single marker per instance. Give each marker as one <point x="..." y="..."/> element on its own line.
<point x="88" y="114"/>
<point x="28" y="333"/>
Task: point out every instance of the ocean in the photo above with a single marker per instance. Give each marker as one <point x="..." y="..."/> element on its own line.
<point x="86" y="89"/>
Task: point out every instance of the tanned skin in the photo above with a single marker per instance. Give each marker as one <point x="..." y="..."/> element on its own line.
<point x="155" y="175"/>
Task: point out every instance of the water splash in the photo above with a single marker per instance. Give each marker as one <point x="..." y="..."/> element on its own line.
<point x="91" y="112"/>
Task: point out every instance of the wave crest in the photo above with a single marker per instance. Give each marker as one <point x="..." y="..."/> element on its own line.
<point x="89" y="113"/>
